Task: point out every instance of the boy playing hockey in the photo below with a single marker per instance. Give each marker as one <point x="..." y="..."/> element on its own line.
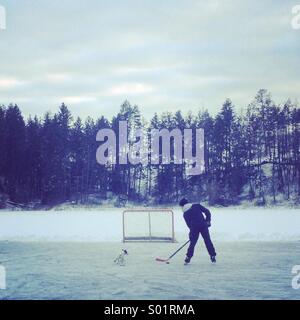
<point x="193" y="216"/>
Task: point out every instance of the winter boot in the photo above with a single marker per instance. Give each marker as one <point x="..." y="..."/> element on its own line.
<point x="187" y="260"/>
<point x="213" y="259"/>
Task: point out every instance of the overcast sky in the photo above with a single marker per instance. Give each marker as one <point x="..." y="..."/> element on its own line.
<point x="161" y="55"/>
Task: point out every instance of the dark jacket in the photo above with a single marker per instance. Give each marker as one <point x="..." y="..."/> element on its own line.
<point x="194" y="217"/>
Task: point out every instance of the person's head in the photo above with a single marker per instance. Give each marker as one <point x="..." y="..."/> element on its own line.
<point x="183" y="202"/>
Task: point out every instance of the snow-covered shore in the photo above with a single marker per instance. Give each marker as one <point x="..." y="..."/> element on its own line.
<point x="228" y="224"/>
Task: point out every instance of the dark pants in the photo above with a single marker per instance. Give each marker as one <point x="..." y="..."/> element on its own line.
<point x="194" y="236"/>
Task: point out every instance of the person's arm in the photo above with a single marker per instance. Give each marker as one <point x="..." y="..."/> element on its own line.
<point x="206" y="213"/>
<point x="187" y="220"/>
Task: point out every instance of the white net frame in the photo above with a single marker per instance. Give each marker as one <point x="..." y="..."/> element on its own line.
<point x="157" y="225"/>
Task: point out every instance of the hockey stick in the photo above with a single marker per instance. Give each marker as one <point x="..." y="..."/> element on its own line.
<point x="171" y="256"/>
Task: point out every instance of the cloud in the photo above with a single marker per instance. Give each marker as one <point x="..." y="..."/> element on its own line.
<point x="57" y="77"/>
<point x="7" y="83"/>
<point x="129" y="89"/>
<point x="77" y="99"/>
<point x="170" y="55"/>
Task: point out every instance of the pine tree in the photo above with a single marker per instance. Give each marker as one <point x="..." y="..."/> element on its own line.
<point x="14" y="145"/>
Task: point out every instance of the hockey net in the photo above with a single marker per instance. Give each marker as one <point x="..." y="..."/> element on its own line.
<point x="148" y="225"/>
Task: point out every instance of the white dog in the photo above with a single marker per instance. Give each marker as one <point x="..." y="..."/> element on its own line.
<point x="120" y="260"/>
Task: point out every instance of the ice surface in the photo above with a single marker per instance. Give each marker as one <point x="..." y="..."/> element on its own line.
<point x="53" y="270"/>
<point x="69" y="255"/>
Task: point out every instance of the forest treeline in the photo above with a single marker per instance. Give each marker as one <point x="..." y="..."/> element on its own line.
<point x="253" y="154"/>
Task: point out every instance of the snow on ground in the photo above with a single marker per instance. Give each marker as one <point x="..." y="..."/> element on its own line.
<point x="106" y="225"/>
<point x="69" y="255"/>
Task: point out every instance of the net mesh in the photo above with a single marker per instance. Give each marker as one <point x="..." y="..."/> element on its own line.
<point x="148" y="225"/>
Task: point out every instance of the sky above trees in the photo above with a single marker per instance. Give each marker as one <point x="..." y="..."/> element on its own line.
<point x="160" y="55"/>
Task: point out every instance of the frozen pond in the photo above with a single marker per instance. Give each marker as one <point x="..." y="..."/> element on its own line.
<point x="69" y="255"/>
<point x="246" y="270"/>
